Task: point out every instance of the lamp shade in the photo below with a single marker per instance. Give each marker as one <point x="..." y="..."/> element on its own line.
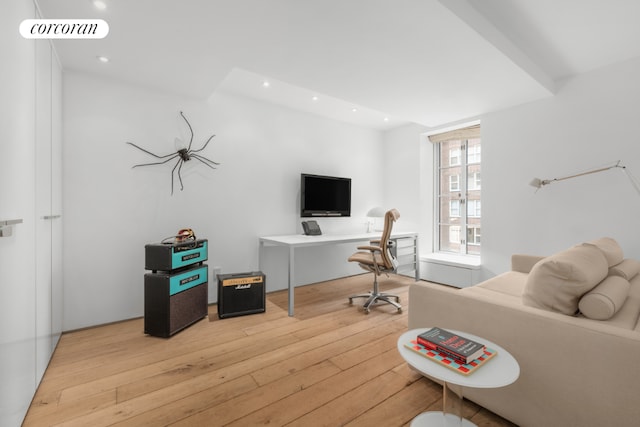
<point x="376" y="212"/>
<point x="536" y="182"/>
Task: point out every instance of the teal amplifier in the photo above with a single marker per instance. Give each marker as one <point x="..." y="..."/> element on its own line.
<point x="173" y="282"/>
<point x="172" y="256"/>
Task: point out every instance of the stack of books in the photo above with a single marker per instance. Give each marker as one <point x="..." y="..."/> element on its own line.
<point x="452" y="350"/>
<point x="461" y="349"/>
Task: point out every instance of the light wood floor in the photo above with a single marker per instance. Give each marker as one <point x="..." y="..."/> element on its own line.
<point x="329" y="365"/>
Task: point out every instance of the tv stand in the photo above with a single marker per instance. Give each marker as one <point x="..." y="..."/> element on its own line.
<point x="406" y="247"/>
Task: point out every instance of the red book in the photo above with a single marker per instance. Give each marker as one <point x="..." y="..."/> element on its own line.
<point x="461" y="349"/>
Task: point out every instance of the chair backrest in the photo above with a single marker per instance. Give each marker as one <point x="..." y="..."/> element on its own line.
<point x="389" y="218"/>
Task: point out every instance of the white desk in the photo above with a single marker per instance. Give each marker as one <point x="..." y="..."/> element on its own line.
<point x="501" y="370"/>
<point x="294" y="241"/>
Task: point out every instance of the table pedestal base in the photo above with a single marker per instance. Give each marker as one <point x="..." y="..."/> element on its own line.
<point x="451" y="416"/>
<point x="440" y="419"/>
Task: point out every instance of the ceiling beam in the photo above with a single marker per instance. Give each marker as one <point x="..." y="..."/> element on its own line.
<point x="469" y="14"/>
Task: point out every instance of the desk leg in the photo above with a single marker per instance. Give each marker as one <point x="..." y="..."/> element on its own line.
<point x="417" y="255"/>
<point x="291" y="279"/>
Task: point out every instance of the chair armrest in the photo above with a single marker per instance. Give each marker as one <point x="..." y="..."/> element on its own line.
<point x="370" y="248"/>
<point x="390" y="243"/>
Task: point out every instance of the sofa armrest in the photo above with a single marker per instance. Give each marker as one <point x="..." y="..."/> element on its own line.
<point x="524" y="263"/>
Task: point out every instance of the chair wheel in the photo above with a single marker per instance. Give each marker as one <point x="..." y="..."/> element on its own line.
<point x="399" y="310"/>
<point x="350" y="301"/>
<point x="367" y="311"/>
<point x="397" y="299"/>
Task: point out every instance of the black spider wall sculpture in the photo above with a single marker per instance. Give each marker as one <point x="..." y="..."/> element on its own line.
<point x="183" y="155"/>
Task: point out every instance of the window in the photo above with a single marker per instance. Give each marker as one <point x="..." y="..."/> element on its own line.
<point x="454" y="157"/>
<point x="473" y="154"/>
<point x="474" y="181"/>
<point x="473" y="208"/>
<point x="474" y="236"/>
<point x="459" y="213"/>
<point x="454" y="183"/>
<point x="454" y="234"/>
<point x="454" y="208"/>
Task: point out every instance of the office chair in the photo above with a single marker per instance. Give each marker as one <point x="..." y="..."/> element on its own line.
<point x="377" y="258"/>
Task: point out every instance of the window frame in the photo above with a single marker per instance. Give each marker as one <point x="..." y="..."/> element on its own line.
<point x="468" y="180"/>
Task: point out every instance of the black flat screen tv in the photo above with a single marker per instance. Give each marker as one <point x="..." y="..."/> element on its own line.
<point x="324" y="195"/>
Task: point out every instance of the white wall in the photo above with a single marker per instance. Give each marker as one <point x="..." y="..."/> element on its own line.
<point x="592" y="121"/>
<point x="112" y="210"/>
<point x="408" y="175"/>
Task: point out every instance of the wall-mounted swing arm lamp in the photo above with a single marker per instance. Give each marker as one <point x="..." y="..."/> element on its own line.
<point x="539" y="183"/>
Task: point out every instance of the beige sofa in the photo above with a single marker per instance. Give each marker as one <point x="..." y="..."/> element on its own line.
<point x="571" y="322"/>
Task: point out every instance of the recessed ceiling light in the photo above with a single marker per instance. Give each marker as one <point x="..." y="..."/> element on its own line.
<point x="102" y="59"/>
<point x="354" y="109"/>
<point x="265" y="84"/>
<point x="386" y="119"/>
<point x="315" y="98"/>
<point x="99" y="4"/>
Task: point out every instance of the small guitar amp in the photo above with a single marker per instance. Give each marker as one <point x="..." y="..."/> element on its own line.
<point x="241" y="294"/>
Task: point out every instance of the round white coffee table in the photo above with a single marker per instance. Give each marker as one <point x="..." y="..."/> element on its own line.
<point x="501" y="370"/>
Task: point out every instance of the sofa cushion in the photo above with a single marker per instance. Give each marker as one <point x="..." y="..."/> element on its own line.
<point x="626" y="269"/>
<point x="557" y="282"/>
<point x="610" y="248"/>
<point x="510" y="283"/>
<point x="603" y="301"/>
